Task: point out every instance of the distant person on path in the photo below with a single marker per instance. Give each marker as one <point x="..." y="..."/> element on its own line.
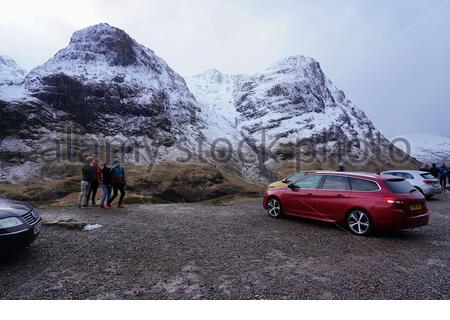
<point x="341" y="167"/>
<point x="443" y="170"/>
<point x="118" y="182"/>
<point x="106" y="186"/>
<point x="448" y="174"/>
<point x="434" y="171"/>
<point x="96" y="177"/>
<point x="425" y="168"/>
<point x="86" y="179"/>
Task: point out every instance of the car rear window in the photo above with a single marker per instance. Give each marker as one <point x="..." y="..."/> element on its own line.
<point x="399" y="186"/>
<point x="363" y="185"/>
<point x="427" y="176"/>
<point x="336" y="183"/>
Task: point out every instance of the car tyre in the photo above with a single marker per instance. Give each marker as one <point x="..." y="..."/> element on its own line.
<point x="274" y="208"/>
<point x="359" y="222"/>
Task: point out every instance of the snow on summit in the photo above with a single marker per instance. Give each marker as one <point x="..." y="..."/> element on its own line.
<point x="105" y="53"/>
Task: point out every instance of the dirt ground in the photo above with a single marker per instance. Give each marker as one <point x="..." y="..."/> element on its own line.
<point x="234" y="251"/>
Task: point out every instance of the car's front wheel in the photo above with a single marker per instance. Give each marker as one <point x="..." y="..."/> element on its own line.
<point x="359" y="222"/>
<point x="274" y="208"/>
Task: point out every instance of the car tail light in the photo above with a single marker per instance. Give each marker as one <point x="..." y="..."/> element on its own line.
<point x="428" y="181"/>
<point x="392" y="200"/>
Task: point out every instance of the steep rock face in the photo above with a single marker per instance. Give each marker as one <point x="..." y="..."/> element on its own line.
<point x="109" y="84"/>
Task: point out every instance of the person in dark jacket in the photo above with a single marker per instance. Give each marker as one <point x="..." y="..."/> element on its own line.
<point x="425" y="168"/>
<point x="86" y="179"/>
<point x="448" y="175"/>
<point x="434" y="171"/>
<point x="95" y="183"/>
<point x="106" y="186"/>
<point x="341" y="167"/>
<point x="118" y="182"/>
<point x="443" y="170"/>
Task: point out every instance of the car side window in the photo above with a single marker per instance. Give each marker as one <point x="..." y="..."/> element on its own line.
<point x="403" y="175"/>
<point x="363" y="185"/>
<point x="308" y="182"/>
<point x="336" y="183"/>
<point x="408" y="176"/>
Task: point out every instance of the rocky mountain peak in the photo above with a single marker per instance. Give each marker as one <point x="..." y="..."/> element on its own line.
<point x="294" y="63"/>
<point x="10" y="70"/>
<point x="214" y="75"/>
<point x="114" y="44"/>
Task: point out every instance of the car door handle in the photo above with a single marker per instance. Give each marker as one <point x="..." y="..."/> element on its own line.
<point x="340" y="196"/>
<point x="310" y="194"/>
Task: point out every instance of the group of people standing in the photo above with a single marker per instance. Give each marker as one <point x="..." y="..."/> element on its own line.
<point x="112" y="179"/>
<point x="442" y="173"/>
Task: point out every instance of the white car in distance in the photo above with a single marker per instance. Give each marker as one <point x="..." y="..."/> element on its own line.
<point x="423" y="181"/>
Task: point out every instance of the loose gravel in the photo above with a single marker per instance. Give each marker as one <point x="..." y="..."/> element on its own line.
<point x="200" y="251"/>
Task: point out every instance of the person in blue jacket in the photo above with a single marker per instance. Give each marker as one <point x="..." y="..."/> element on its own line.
<point x="118" y="182"/>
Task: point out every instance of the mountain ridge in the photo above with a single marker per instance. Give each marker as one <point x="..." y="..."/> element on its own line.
<point x="106" y="85"/>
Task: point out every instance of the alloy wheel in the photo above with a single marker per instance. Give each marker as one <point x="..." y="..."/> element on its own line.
<point x="359" y="222"/>
<point x="274" y="208"/>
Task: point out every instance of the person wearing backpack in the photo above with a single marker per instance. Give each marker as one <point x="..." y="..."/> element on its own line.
<point x="118" y="182"/>
<point x="106" y="186"/>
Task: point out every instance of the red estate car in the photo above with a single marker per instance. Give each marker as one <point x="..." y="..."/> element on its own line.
<point x="362" y="202"/>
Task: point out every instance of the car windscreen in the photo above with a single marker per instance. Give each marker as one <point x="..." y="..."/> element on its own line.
<point x="399" y="186"/>
<point x="295" y="177"/>
<point x="427" y="176"/>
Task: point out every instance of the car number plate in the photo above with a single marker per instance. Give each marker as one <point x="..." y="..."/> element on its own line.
<point x="37" y="228"/>
<point x="416" y="206"/>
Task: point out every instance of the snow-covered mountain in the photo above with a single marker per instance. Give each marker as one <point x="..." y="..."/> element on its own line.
<point x="426" y="148"/>
<point x="102" y="85"/>
<point x="290" y="100"/>
<point x="105" y="85"/>
<point x="10" y="70"/>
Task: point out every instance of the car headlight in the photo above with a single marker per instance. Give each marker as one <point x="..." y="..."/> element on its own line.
<point x="10" y="223"/>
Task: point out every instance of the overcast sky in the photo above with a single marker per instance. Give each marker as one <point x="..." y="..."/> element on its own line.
<point x="392" y="58"/>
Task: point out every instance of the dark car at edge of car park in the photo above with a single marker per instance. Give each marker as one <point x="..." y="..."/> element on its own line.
<point x="20" y="225"/>
<point x="361" y="202"/>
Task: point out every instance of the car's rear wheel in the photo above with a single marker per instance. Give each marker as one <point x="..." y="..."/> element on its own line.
<point x="274" y="208"/>
<point x="359" y="222"/>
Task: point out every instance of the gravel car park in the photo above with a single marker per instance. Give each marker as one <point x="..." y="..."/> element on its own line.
<point x="232" y="251"/>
